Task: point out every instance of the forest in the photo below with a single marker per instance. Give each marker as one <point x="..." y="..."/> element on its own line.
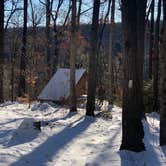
<point x="83" y="82"/>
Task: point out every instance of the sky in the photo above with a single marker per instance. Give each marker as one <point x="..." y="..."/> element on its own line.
<point x="39" y="11"/>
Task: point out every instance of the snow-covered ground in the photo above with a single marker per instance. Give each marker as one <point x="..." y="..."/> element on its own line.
<point x="69" y="139"/>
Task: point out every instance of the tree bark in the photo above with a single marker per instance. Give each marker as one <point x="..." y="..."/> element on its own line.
<point x="163" y="81"/>
<point x="1" y="47"/>
<point x="56" y="40"/>
<point x="110" y="58"/>
<point x="133" y="13"/>
<point x="56" y="49"/>
<point x="79" y="12"/>
<point x="47" y="32"/>
<point x="141" y="14"/>
<point x="151" y="47"/>
<point x="73" y="107"/>
<point x="93" y="60"/>
<point x="156" y="61"/>
<point x="22" y="79"/>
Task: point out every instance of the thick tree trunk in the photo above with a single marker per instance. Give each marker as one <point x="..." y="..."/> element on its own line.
<point x="1" y="47"/>
<point x="93" y="60"/>
<point x="156" y="61"/>
<point x="73" y="51"/>
<point x="22" y="79"/>
<point x="151" y="47"/>
<point x="110" y="58"/>
<point x="132" y="128"/>
<point x="141" y="28"/>
<point x="163" y="81"/>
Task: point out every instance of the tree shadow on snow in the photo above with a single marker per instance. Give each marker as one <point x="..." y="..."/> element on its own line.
<point x="52" y="121"/>
<point x="4" y="136"/>
<point x="11" y="121"/>
<point x="108" y="154"/>
<point x="26" y="132"/>
<point x="6" y="132"/>
<point x="50" y="148"/>
<point x="50" y="113"/>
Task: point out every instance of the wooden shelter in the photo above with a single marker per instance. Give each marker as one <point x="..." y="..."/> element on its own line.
<point x="58" y="88"/>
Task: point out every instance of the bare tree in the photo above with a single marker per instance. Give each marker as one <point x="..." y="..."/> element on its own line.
<point x="48" y="20"/>
<point x="163" y="80"/>
<point x="1" y="47"/>
<point x="110" y="56"/>
<point x="156" y="60"/>
<point x="48" y="6"/>
<point x="52" y="13"/>
<point x="35" y="15"/>
<point x="79" y="12"/>
<point x="67" y="15"/>
<point x="133" y="22"/>
<point x="14" y="49"/>
<point x="93" y="60"/>
<point x="10" y="12"/>
<point x="73" y="59"/>
<point x="151" y="48"/>
<point x="22" y="79"/>
<point x="54" y="16"/>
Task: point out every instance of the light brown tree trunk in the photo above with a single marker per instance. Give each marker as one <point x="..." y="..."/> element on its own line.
<point x="73" y="107"/>
<point x="1" y="47"/>
<point x="93" y="60"/>
<point x="133" y="13"/>
<point x="163" y="81"/>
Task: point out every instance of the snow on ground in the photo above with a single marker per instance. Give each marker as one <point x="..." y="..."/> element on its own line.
<point x="69" y="139"/>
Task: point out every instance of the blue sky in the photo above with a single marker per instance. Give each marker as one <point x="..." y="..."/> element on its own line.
<point x="85" y="18"/>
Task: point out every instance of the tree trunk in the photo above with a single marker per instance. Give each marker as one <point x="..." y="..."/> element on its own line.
<point x="156" y="60"/>
<point x="93" y="60"/>
<point x="133" y="13"/>
<point x="12" y="76"/>
<point x="47" y="32"/>
<point x="73" y="107"/>
<point x="151" y="38"/>
<point x="22" y="79"/>
<point x="56" y="49"/>
<point x="13" y="58"/>
<point x="1" y="47"/>
<point x="163" y="81"/>
<point x="141" y="28"/>
<point x="110" y="58"/>
<point x="79" y="12"/>
<point x="56" y="39"/>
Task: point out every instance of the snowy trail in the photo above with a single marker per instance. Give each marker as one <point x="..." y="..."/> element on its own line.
<point x="71" y="139"/>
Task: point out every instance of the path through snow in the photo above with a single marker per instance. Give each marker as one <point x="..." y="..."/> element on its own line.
<point x="71" y="139"/>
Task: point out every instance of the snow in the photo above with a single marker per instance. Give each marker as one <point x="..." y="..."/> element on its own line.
<point x="71" y="139"/>
<point x="59" y="85"/>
